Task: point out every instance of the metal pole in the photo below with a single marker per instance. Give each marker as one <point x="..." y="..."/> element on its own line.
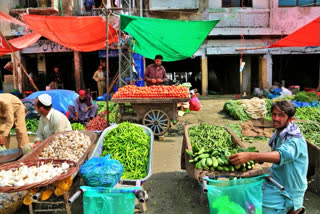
<point x="130" y="40"/>
<point x="107" y="63"/>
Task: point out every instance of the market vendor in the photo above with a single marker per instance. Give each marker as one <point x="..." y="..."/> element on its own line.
<point x="12" y="113"/>
<point x="51" y="121"/>
<point x="155" y="73"/>
<point x="84" y="109"/>
<point x="289" y="156"/>
<point x="98" y="76"/>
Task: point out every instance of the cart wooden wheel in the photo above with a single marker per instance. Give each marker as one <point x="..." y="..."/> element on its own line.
<point x="117" y="116"/>
<point x="157" y="120"/>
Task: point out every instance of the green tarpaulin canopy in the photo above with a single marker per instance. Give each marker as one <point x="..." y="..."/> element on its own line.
<point x="173" y="39"/>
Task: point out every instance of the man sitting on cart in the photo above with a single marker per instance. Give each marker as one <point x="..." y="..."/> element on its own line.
<point x="155" y="73"/>
<point x="50" y="122"/>
<point x="289" y="156"/>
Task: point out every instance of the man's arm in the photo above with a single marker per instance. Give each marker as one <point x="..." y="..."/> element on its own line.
<point x="244" y="157"/>
<point x="9" y="119"/>
<point x="95" y="77"/>
<point x="39" y="136"/>
<point x="165" y="78"/>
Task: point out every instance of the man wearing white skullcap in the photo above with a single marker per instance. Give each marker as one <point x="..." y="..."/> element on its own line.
<point x="51" y="120"/>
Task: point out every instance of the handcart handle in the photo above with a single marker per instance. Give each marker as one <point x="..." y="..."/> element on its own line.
<point x="75" y="196"/>
<point x="204" y="184"/>
<point x="140" y="194"/>
<point x="270" y="179"/>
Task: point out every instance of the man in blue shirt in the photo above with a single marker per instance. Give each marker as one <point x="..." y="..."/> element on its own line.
<point x="289" y="156"/>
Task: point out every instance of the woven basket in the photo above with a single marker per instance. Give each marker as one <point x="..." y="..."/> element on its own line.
<point x="35" y="153"/>
<point x="14" y="165"/>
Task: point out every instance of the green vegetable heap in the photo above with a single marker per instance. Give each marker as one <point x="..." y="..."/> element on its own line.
<point x="78" y="126"/>
<point x="311" y="131"/>
<point x="129" y="144"/>
<point x="102" y="107"/>
<point x="308" y="113"/>
<point x="236" y="110"/>
<point x="306" y="96"/>
<point x="211" y="147"/>
<point x="32" y="125"/>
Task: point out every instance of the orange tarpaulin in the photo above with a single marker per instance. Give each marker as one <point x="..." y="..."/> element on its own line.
<point x="308" y="35"/>
<point x="8" y="18"/>
<point x="77" y="33"/>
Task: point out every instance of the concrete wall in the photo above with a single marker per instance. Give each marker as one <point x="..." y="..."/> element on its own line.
<point x="5" y="26"/>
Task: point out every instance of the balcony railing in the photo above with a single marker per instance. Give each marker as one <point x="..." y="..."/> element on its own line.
<point x="40" y="7"/>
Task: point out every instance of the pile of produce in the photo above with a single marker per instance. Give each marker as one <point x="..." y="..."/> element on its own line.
<point x="154" y="92"/>
<point x="102" y="109"/>
<point x="255" y="107"/>
<point x="67" y="146"/>
<point x="237" y="130"/>
<point x="311" y="132"/>
<point x="306" y="96"/>
<point x="98" y="123"/>
<point x="129" y="144"/>
<point x="308" y="113"/>
<point x="78" y="126"/>
<point x="236" y="110"/>
<point x="32" y="125"/>
<point x="2" y="148"/>
<point x="27" y="175"/>
<point x="211" y="147"/>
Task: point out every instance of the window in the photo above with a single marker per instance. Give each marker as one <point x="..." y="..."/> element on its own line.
<point x="299" y="2"/>
<point x="236" y="3"/>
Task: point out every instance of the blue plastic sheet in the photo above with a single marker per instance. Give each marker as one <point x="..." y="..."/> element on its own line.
<point x="60" y="98"/>
<point x="300" y="104"/>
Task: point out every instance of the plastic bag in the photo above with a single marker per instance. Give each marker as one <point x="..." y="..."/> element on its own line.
<point x="285" y="92"/>
<point x="257" y="92"/>
<point x="101" y="171"/>
<point x="248" y="200"/>
<point x="194" y="103"/>
<point x="109" y="200"/>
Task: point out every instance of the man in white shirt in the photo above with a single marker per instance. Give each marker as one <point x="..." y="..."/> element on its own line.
<point x="51" y="120"/>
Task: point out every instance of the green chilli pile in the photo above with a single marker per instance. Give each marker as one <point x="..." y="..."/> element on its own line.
<point x="129" y="144"/>
<point x="311" y="131"/>
<point x="308" y="113"/>
<point x="211" y="147"/>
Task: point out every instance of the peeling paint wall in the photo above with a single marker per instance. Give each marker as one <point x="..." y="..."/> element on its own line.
<point x="5" y="26"/>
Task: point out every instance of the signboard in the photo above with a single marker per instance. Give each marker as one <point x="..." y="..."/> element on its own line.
<point x="45" y="46"/>
<point x="173" y="4"/>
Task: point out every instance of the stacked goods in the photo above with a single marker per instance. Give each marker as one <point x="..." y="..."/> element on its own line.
<point x="98" y="123"/>
<point x="78" y="126"/>
<point x="308" y="113"/>
<point x="306" y="96"/>
<point x="25" y="175"/>
<point x="255" y="107"/>
<point x="211" y="147"/>
<point x="67" y="146"/>
<point x="236" y="110"/>
<point x="154" y="92"/>
<point x="311" y="131"/>
<point x="129" y="144"/>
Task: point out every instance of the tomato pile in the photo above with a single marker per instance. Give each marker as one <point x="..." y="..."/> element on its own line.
<point x="154" y="92"/>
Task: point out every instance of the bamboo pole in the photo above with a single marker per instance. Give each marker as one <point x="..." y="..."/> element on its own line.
<point x="16" y="58"/>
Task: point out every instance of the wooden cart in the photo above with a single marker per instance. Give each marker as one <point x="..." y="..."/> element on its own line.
<point x="155" y="114"/>
<point x="52" y="204"/>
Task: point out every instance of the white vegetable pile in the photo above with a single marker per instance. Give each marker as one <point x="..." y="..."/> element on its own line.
<point x="25" y="175"/>
<point x="67" y="146"/>
<point x="255" y="107"/>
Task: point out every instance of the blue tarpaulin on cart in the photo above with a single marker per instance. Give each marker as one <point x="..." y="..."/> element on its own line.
<point x="60" y="98"/>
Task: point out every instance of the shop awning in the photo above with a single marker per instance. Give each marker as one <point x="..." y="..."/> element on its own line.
<point x="18" y="43"/>
<point x="7" y="18"/>
<point x="308" y="35"/>
<point x="77" y="33"/>
<point x="173" y="39"/>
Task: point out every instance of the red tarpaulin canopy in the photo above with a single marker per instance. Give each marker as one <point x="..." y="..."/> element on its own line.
<point x="308" y="35"/>
<point x="17" y="43"/>
<point x="77" y="33"/>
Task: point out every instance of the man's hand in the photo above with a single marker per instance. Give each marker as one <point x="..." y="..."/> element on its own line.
<point x="159" y="81"/>
<point x="153" y="81"/>
<point x="36" y="144"/>
<point x="240" y="158"/>
<point x="75" y="118"/>
<point x="87" y="109"/>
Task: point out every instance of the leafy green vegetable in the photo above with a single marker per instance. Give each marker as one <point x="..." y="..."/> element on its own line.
<point x="306" y="96"/>
<point x="311" y="131"/>
<point x="129" y="144"/>
<point x="308" y="113"/>
<point x="236" y="110"/>
<point x="32" y="125"/>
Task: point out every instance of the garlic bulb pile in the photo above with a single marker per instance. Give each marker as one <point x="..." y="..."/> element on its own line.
<point x="67" y="146"/>
<point x="25" y="175"/>
<point x="255" y="107"/>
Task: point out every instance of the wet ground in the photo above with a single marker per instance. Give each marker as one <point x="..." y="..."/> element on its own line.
<point x="170" y="189"/>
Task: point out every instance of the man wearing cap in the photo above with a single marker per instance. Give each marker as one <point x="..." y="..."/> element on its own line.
<point x="84" y="109"/>
<point x="51" y="120"/>
<point x="12" y="112"/>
